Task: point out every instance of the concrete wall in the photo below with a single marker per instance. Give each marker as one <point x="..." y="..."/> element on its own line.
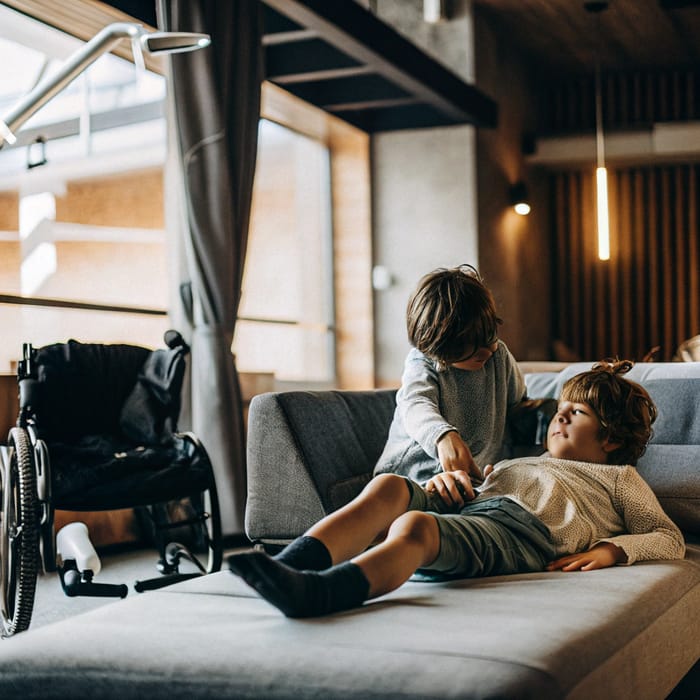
<point x="424" y="217"/>
<point x="441" y="195"/>
<point x="424" y="188"/>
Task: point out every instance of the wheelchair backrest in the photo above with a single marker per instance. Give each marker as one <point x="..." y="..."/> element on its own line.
<point x="83" y="388"/>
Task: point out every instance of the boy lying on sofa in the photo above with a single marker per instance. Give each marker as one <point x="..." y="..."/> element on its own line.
<point x="581" y="506"/>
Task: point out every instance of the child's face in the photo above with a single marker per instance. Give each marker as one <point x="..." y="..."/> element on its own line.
<point x="476" y="360"/>
<point x="574" y="434"/>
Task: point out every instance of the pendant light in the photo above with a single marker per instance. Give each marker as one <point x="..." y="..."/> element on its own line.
<point x="601" y="173"/>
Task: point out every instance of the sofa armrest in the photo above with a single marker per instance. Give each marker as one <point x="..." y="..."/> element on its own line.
<point x="308" y="454"/>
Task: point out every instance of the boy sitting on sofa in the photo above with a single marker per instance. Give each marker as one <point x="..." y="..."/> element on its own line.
<point x="578" y="507"/>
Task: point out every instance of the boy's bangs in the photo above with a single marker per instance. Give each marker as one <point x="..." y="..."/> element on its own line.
<point x="576" y="392"/>
<point x="585" y="388"/>
<point x="480" y="334"/>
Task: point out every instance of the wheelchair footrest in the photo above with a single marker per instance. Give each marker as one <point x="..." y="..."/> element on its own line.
<point x="153" y="584"/>
<point x="76" y="583"/>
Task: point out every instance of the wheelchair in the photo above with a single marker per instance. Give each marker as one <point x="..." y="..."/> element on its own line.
<point x="96" y="431"/>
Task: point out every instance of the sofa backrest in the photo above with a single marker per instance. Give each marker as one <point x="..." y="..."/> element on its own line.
<point x="671" y="463"/>
<point x="542" y="385"/>
<point x="308" y="454"/>
<point x="311" y="452"/>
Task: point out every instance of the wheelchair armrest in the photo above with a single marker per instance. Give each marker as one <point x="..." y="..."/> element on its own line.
<point x="28" y="391"/>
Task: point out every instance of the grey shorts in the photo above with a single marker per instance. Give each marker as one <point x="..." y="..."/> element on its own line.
<point x="484" y="538"/>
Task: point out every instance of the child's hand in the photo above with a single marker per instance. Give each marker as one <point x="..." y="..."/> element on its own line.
<point x="599" y="557"/>
<point x="454" y="454"/>
<point x="455" y="488"/>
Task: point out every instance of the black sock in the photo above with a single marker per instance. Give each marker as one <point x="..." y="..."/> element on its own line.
<point x="301" y="593"/>
<point x="305" y="553"/>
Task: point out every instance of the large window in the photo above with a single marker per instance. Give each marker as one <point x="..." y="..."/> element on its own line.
<point x="286" y="315"/>
<point x="81" y="222"/>
<point x="83" y="250"/>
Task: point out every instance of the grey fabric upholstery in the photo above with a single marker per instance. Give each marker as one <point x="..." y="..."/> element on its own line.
<point x="549" y="384"/>
<point x="626" y="632"/>
<point x="671" y="464"/>
<point x="319" y="446"/>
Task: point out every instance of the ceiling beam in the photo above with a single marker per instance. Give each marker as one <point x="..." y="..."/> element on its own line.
<point x="361" y="36"/>
<point x="349" y="90"/>
<point x="295" y="61"/>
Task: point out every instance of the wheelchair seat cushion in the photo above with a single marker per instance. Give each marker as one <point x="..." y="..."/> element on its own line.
<point x="103" y="472"/>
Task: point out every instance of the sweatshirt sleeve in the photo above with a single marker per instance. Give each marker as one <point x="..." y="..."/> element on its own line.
<point x="418" y="402"/>
<point x="651" y="533"/>
<point x="517" y="390"/>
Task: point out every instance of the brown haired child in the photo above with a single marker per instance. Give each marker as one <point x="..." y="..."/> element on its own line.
<point x="458" y="384"/>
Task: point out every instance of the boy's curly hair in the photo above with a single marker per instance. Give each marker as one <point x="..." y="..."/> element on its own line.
<point x="451" y="313"/>
<point x="624" y="408"/>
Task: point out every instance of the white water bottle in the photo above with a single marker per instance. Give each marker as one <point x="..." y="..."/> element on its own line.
<point x="73" y="542"/>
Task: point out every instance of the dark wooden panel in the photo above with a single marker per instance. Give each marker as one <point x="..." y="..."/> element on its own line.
<point x="562" y="37"/>
<point x="647" y="294"/>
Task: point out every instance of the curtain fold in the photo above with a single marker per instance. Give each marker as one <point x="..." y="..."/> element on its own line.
<point x="216" y="96"/>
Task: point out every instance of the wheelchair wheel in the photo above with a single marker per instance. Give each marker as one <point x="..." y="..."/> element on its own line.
<point x="205" y="516"/>
<point x="212" y="530"/>
<point x="210" y="534"/>
<point x="193" y="521"/>
<point x="19" y="537"/>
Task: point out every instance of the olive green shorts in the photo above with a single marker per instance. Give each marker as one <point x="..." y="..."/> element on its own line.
<point x="486" y="537"/>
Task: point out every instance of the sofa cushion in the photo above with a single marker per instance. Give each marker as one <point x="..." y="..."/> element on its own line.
<point x="341" y="435"/>
<point x="614" y="633"/>
<point x="671" y="463"/>
<point x="542" y="385"/>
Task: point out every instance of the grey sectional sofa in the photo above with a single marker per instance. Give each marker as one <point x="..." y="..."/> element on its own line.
<point x="623" y="632"/>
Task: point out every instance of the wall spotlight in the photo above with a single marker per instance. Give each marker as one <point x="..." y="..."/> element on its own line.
<point x="519" y="199"/>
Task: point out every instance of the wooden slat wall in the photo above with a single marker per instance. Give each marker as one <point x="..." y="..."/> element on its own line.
<point x="648" y="293"/>
<point x="630" y="99"/>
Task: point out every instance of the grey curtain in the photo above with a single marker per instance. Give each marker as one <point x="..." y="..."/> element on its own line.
<point x="216" y="98"/>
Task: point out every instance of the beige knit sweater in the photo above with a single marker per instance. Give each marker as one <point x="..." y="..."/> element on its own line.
<point x="583" y="504"/>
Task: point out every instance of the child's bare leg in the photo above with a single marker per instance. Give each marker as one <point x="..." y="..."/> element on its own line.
<point x="413" y="541"/>
<point x="352" y="528"/>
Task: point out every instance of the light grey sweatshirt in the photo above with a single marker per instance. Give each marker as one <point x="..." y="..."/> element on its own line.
<point x="583" y="503"/>
<point x="430" y="403"/>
